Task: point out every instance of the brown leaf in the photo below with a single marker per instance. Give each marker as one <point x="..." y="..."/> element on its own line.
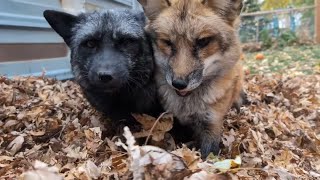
<point x="16" y="145"/>
<point x="41" y="171"/>
<point x="37" y="133"/>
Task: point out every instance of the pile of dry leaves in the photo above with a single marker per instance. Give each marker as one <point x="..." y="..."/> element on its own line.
<point x="48" y="131"/>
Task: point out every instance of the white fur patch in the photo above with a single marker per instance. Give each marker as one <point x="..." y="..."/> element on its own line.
<point x="210" y="64"/>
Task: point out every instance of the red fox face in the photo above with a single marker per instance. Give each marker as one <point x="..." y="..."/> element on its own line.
<point x="195" y="40"/>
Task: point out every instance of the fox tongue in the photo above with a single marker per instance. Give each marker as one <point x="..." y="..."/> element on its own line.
<point x="183" y="93"/>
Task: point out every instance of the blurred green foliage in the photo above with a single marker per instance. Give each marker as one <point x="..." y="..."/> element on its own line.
<point x="251" y="6"/>
<point x="287" y="38"/>
<point x="264" y="30"/>
<point x="280" y="4"/>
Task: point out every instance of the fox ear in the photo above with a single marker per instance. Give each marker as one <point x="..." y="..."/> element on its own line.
<point x="140" y="17"/>
<point x="153" y="8"/>
<point x="61" y="22"/>
<point x="227" y="9"/>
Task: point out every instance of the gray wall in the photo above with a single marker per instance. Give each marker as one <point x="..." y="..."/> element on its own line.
<point x="21" y="22"/>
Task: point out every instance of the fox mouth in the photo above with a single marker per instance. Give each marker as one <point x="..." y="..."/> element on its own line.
<point x="183" y="93"/>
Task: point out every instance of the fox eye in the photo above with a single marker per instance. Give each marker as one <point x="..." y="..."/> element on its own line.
<point x="129" y="41"/>
<point x="126" y="41"/>
<point x="91" y="44"/>
<point x="204" y="42"/>
<point x="167" y="42"/>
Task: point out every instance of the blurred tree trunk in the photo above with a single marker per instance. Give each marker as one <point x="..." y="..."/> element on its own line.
<point x="317" y="20"/>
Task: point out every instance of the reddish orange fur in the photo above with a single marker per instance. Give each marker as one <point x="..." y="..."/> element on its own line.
<point x="183" y="23"/>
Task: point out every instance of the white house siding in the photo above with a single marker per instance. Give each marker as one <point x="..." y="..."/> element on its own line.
<point x="23" y="31"/>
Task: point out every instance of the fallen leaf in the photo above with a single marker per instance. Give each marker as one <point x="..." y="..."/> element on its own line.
<point x="164" y="125"/>
<point x="228" y="164"/>
<point x="224" y="165"/>
<point x="16" y="145"/>
<point x="259" y="56"/>
<point x="203" y="175"/>
<point x="42" y="171"/>
<point x="91" y="170"/>
<point x="37" y="133"/>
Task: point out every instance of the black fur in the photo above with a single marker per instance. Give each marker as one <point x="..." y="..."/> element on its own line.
<point x="112" y="60"/>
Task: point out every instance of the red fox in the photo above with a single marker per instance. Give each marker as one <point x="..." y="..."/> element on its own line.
<point x="197" y="51"/>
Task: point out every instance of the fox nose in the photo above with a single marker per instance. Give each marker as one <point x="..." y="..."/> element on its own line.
<point x="105" y="76"/>
<point x="179" y="84"/>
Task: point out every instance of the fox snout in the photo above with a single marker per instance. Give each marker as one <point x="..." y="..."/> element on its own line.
<point x="106" y="78"/>
<point x="184" y="85"/>
<point x="108" y="71"/>
<point x="103" y="76"/>
<point x="180" y="84"/>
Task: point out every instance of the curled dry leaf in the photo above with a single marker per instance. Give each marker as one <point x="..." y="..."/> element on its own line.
<point x="135" y="155"/>
<point x="37" y="133"/>
<point x="75" y="152"/>
<point x="16" y="145"/>
<point x="223" y="165"/>
<point x="90" y="170"/>
<point x="164" y="125"/>
<point x="10" y="123"/>
<point x="5" y="161"/>
<point x="227" y="164"/>
<point x="118" y="162"/>
<point x="191" y="157"/>
<point x="6" y="158"/>
<point x="164" y="164"/>
<point x="41" y="171"/>
<point x="203" y="175"/>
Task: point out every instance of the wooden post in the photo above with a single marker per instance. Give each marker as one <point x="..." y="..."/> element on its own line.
<point x="73" y="6"/>
<point x="317" y="20"/>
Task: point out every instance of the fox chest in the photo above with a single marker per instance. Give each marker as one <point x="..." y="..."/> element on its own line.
<point x="186" y="109"/>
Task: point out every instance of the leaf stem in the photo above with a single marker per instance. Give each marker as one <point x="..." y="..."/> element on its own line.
<point x="154" y="125"/>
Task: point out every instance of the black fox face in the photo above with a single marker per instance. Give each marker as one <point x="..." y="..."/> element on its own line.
<point x="107" y="48"/>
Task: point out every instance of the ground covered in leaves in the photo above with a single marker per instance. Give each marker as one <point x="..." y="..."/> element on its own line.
<point x="298" y="60"/>
<point x="48" y="131"/>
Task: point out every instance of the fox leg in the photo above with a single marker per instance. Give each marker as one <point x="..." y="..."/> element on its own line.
<point x="239" y="96"/>
<point x="207" y="134"/>
<point x="242" y="100"/>
<point x="209" y="128"/>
